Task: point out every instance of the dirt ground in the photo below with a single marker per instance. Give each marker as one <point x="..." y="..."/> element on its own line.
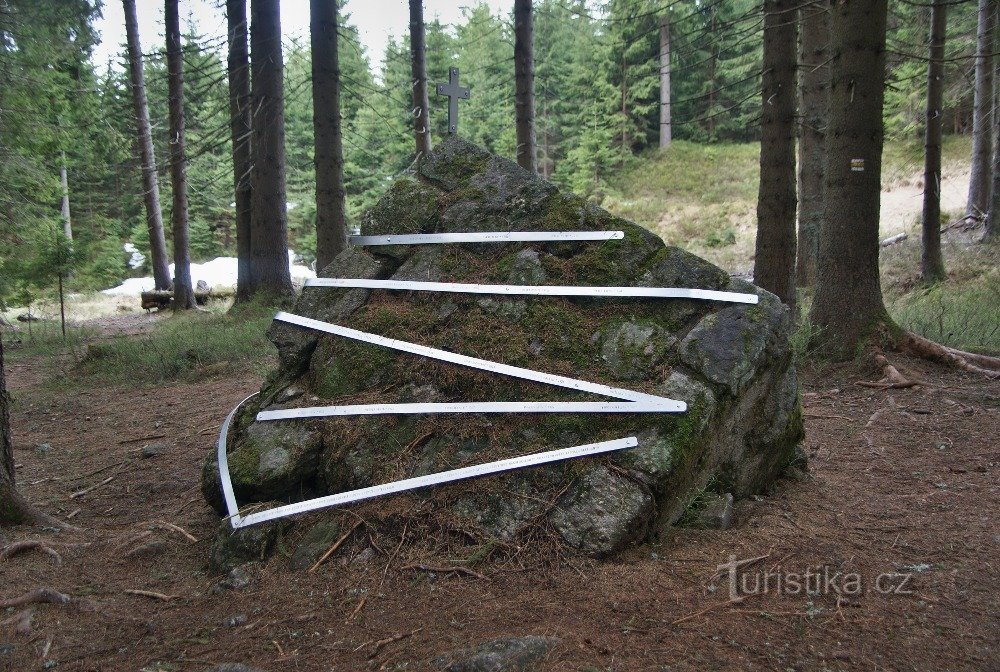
<point x="900" y="510"/>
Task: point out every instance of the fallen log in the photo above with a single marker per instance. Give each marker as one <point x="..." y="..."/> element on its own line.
<point x="162" y="298"/>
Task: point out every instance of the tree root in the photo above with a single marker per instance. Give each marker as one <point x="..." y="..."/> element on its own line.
<point x="892" y="379"/>
<point x="36" y="596"/>
<point x="918" y="346"/>
<point x="21" y="621"/>
<point x="31" y="544"/>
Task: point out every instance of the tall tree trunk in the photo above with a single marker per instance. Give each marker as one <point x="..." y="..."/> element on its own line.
<point x="931" y="261"/>
<point x="183" y="289"/>
<point x="665" y="130"/>
<point x="269" y="237"/>
<point x="240" y="130"/>
<point x="14" y="509"/>
<point x="990" y="229"/>
<point x="418" y="73"/>
<point x="331" y="217"/>
<point x="814" y="109"/>
<point x="64" y="210"/>
<point x="848" y="302"/>
<point x="524" y="85"/>
<point x="713" y="56"/>
<point x="982" y="114"/>
<point x="144" y="142"/>
<point x="774" y="262"/>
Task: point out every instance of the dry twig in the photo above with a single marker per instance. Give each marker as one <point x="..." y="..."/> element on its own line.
<point x="80" y="493"/>
<point x="152" y="595"/>
<point x="330" y="551"/>
<point x="446" y="570"/>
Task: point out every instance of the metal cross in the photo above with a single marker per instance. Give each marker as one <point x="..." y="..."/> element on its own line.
<point x="454" y="92"/>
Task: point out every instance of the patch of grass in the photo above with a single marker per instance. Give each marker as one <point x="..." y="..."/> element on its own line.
<point x="45" y="338"/>
<point x="186" y="346"/>
<point x="964" y="315"/>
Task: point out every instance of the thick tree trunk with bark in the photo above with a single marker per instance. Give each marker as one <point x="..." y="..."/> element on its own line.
<point x="982" y="114"/>
<point x="14" y="509"/>
<point x="774" y="263"/>
<point x="144" y="142"/>
<point x="183" y="289"/>
<point x="331" y="216"/>
<point x="848" y="306"/>
<point x="814" y="109"/>
<point x="524" y="84"/>
<point x="269" y="235"/>
<point x="240" y="131"/>
<point x="990" y="229"/>
<point x="418" y="75"/>
<point x="666" y="134"/>
<point x="931" y="261"/>
<point x="8" y="505"/>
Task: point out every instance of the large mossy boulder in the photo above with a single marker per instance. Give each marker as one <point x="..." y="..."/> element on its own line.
<point x="731" y="363"/>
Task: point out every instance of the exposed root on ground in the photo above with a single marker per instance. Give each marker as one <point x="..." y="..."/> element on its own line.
<point x="37" y="596"/>
<point x="918" y="346"/>
<point x="892" y="379"/>
<point x="31" y="544"/>
<point x="21" y="621"/>
<point x="20" y="511"/>
<point x="924" y="348"/>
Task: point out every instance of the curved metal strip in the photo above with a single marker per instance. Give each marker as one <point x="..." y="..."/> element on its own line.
<point x="223" y="458"/>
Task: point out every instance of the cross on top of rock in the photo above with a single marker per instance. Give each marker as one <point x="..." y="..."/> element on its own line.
<point x="454" y="93"/>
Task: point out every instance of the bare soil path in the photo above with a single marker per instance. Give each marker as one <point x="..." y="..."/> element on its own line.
<point x="900" y="510"/>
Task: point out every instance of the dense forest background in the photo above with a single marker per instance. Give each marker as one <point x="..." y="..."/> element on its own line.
<point x="597" y="111"/>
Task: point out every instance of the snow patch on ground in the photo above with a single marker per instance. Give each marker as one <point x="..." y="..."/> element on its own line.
<point x="217" y="273"/>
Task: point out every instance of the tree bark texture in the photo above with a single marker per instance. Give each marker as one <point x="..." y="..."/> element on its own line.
<point x="418" y="75"/>
<point x="982" y="113"/>
<point x="990" y="228"/>
<point x="774" y="262"/>
<point x="931" y="261"/>
<point x="524" y="85"/>
<point x="847" y="305"/>
<point x="238" y="70"/>
<point x="269" y="219"/>
<point x="331" y="216"/>
<point x="144" y="143"/>
<point x="814" y="109"/>
<point x="666" y="135"/>
<point x="183" y="289"/>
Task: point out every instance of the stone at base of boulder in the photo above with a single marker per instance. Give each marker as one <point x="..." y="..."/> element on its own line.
<point x="313" y="544"/>
<point x="232" y="548"/>
<point x="717" y="514"/>
<point x="508" y="654"/>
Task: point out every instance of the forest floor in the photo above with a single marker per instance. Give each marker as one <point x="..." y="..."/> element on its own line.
<point x="898" y="510"/>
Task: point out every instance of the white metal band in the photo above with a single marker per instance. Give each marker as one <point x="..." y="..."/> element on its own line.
<point x="667" y="406"/>
<point x="537" y="290"/>
<point x="225" y="479"/>
<point x="485" y="237"/>
<point x="475" y="362"/>
<point x="431" y="479"/>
